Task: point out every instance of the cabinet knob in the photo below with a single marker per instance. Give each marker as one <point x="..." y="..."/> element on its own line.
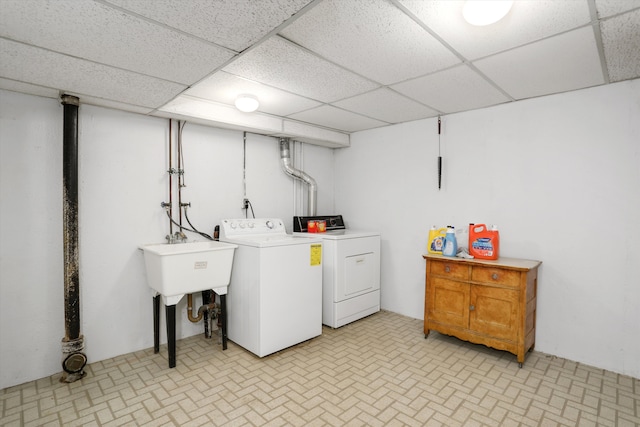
<point x="447" y="269"/>
<point x="472" y="307"/>
<point x="494" y="276"/>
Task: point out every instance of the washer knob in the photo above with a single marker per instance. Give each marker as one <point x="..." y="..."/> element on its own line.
<point x="269" y="224"/>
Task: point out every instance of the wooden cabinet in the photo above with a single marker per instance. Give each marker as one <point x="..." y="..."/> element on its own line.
<point x="484" y="302"/>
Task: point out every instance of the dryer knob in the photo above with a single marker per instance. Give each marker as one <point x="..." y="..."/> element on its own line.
<point x="269" y="224"/>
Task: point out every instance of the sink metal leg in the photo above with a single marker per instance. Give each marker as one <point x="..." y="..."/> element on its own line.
<point x="156" y="324"/>
<point x="223" y="318"/>
<point x="171" y="333"/>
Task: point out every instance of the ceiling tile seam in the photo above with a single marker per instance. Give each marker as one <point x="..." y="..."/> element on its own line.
<point x="317" y="55"/>
<point x="360" y="114"/>
<point x="440" y="112"/>
<point x="398" y="93"/>
<point x="606" y="18"/>
<point x="40" y="86"/>
<point x="314" y="125"/>
<point x="281" y="118"/>
<point x="304" y="110"/>
<point x="82" y="96"/>
<point x="95" y="62"/>
<point x="461" y="57"/>
<point x="267" y="85"/>
<point x="273" y="33"/>
<point x="561" y="33"/>
<point x="165" y="26"/>
<point x="597" y="34"/>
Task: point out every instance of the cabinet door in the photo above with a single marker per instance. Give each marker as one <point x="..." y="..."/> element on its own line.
<point x="449" y="302"/>
<point x="494" y="312"/>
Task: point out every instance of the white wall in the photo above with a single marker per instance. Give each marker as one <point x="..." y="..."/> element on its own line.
<point x="559" y="175"/>
<point x="123" y="159"/>
<point x="31" y="267"/>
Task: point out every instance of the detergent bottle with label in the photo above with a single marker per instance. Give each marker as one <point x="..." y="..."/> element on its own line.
<point x="436" y="240"/>
<point x="484" y="243"/>
<point x="450" y="243"/>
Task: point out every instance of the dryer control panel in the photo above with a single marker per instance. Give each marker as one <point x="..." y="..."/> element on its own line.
<point x="333" y="222"/>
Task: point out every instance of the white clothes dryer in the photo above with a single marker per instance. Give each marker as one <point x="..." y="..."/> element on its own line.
<point x="274" y="300"/>
<point x="351" y="270"/>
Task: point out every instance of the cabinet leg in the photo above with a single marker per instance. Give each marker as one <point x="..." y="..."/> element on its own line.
<point x="520" y="365"/>
<point x="426" y="334"/>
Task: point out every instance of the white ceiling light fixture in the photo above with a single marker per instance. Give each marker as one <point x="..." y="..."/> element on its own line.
<point x="247" y="103"/>
<point x="485" y="12"/>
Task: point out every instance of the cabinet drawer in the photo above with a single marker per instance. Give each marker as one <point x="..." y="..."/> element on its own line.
<point x="496" y="276"/>
<point x="451" y="270"/>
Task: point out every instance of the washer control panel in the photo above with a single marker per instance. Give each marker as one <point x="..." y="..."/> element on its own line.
<point x="251" y="226"/>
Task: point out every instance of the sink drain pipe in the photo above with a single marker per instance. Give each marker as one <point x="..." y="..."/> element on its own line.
<point x="285" y="157"/>
<point x="73" y="359"/>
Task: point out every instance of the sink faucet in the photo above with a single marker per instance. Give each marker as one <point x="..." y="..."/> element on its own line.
<point x="177" y="237"/>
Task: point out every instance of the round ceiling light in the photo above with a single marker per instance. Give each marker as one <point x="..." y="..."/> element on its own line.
<point x="247" y="103"/>
<point x="485" y="12"/>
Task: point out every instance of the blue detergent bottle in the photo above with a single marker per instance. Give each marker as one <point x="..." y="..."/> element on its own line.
<point x="450" y="243"/>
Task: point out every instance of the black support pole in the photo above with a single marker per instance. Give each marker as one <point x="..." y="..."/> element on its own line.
<point x="223" y="315"/>
<point x="73" y="360"/>
<point x="156" y="324"/>
<point x="170" y="311"/>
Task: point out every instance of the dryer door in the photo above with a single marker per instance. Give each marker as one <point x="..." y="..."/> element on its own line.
<point x="358" y="263"/>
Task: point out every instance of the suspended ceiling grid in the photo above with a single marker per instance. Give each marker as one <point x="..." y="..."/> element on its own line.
<point x="321" y="69"/>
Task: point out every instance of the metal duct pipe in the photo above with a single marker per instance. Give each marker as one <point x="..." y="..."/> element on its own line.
<point x="285" y="157"/>
<point x="73" y="360"/>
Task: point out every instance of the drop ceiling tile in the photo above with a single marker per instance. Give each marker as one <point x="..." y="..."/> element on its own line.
<point x="36" y="66"/>
<point x="114" y="105"/>
<point x="386" y="105"/>
<point x="558" y="64"/>
<point x="449" y="91"/>
<point x="373" y="38"/>
<point x="27" y="88"/>
<point x="335" y="118"/>
<point x="235" y="24"/>
<point x="621" y="40"/>
<point x="99" y="33"/>
<point x="224" y="88"/>
<point x="608" y="8"/>
<point x="281" y="64"/>
<point x="527" y="21"/>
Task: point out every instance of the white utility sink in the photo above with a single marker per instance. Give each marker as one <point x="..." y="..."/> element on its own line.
<point x="174" y="270"/>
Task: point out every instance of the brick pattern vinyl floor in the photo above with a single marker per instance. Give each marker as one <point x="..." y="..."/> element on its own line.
<point x="378" y="371"/>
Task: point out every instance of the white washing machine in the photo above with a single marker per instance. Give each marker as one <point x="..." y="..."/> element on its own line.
<point x="274" y="300"/>
<point x="351" y="270"/>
